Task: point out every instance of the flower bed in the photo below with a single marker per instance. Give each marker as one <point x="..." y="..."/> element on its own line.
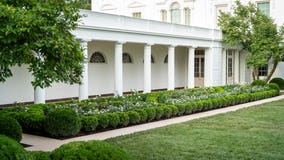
<point x="112" y="112"/>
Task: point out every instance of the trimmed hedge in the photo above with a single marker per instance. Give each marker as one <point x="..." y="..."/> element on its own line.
<point x="116" y="119"/>
<point x="278" y="81"/>
<point x="12" y="150"/>
<point x="62" y="122"/>
<point x="11" y="128"/>
<point x="258" y="82"/>
<point x="40" y="155"/>
<point x="91" y="150"/>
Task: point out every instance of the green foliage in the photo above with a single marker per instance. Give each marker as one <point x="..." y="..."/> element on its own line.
<point x="159" y="112"/>
<point x="12" y="150"/>
<point x="167" y="111"/>
<point x="124" y="118"/>
<point x="11" y="128"/>
<point x="143" y="115"/>
<point x="258" y="82"/>
<point x="103" y="120"/>
<point x="62" y="122"/>
<point x="114" y="119"/>
<point x="38" y="34"/>
<point x="40" y="155"/>
<point x="278" y="81"/>
<point x="134" y="117"/>
<point x="274" y="86"/>
<point x="255" y="32"/>
<point x="91" y="150"/>
<point x="151" y="112"/>
<point x="89" y="123"/>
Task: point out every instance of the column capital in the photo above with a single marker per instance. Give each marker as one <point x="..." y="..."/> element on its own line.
<point x="120" y="42"/>
<point x="192" y="47"/>
<point x="149" y="44"/>
<point x="172" y="45"/>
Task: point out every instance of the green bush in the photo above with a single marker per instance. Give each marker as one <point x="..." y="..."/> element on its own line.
<point x="151" y="112"/>
<point x="258" y="82"/>
<point x="89" y="123"/>
<point x="134" y="117"/>
<point x="62" y="122"/>
<point x="174" y="110"/>
<point x="123" y="118"/>
<point x="12" y="150"/>
<point x="40" y="155"/>
<point x="91" y="150"/>
<point x="10" y="127"/>
<point x="103" y="120"/>
<point x="159" y="112"/>
<point x="114" y="119"/>
<point x="167" y="111"/>
<point x="188" y="108"/>
<point x="143" y="115"/>
<point x="181" y="109"/>
<point x="278" y="81"/>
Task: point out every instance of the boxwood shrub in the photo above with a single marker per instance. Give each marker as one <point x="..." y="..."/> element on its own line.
<point x="62" y="122"/>
<point x="113" y="119"/>
<point x="89" y="123"/>
<point x="91" y="150"/>
<point x="134" y="117"/>
<point x="40" y="155"/>
<point x="278" y="81"/>
<point x="123" y="119"/>
<point x="12" y="150"/>
<point x="10" y="127"/>
<point x="258" y="82"/>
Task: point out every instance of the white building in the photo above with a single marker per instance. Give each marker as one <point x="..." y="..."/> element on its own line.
<point x="168" y="44"/>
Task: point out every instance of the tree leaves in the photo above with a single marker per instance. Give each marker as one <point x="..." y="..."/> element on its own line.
<point x="255" y="32"/>
<point x="38" y="33"/>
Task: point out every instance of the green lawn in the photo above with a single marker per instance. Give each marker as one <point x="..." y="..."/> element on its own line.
<point x="254" y="133"/>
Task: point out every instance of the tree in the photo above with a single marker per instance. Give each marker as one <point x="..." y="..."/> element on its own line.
<point x="37" y="34"/>
<point x="256" y="33"/>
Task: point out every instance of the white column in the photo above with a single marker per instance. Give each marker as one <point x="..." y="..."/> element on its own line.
<point x="237" y="67"/>
<point x="39" y="95"/>
<point x="118" y="73"/>
<point x="208" y="67"/>
<point x="224" y="67"/>
<point x="83" y="87"/>
<point x="171" y="68"/>
<point x="242" y="67"/>
<point x="190" y="69"/>
<point x="147" y="68"/>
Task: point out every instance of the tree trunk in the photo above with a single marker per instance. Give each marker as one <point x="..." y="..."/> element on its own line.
<point x="271" y="72"/>
<point x="253" y="74"/>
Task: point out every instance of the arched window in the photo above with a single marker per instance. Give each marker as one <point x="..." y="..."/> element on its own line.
<point x="126" y="58"/>
<point x="164" y="15"/>
<point x="97" y="57"/>
<point x="186" y="16"/>
<point x="175" y="13"/>
<point x="166" y="59"/>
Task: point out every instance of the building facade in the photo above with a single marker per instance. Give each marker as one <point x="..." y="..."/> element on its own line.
<point x="147" y="45"/>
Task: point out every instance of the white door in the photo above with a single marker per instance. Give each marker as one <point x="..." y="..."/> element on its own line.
<point x="199" y="68"/>
<point x="230" y="67"/>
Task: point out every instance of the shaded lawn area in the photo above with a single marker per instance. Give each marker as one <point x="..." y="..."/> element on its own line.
<point x="253" y="133"/>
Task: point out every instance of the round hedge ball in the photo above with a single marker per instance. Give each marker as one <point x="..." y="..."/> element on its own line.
<point x="11" y="149"/>
<point x="11" y="128"/>
<point x="62" y="122"/>
<point x="91" y="150"/>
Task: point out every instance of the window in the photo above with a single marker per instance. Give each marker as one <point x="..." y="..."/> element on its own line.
<point x="175" y="13"/>
<point x="264" y="7"/>
<point x="97" y="57"/>
<point x="126" y="58"/>
<point x="136" y="14"/>
<point x="187" y="16"/>
<point x="262" y="71"/>
<point x="199" y="62"/>
<point x="166" y="59"/>
<point x="164" y="15"/>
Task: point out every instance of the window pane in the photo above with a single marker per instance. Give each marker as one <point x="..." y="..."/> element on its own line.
<point x="262" y="71"/>
<point x="136" y="14"/>
<point x="175" y="16"/>
<point x="264" y="7"/>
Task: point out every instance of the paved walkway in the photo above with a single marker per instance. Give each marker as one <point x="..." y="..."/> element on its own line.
<point x="49" y="144"/>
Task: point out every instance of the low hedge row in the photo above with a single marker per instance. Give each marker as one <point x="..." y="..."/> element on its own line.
<point x="91" y="150"/>
<point x="34" y="120"/>
<point x="120" y="119"/>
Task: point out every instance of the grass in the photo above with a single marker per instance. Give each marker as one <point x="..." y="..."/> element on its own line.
<point x="253" y="133"/>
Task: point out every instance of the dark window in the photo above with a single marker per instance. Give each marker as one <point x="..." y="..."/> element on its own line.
<point x="126" y="58"/>
<point x="97" y="57"/>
